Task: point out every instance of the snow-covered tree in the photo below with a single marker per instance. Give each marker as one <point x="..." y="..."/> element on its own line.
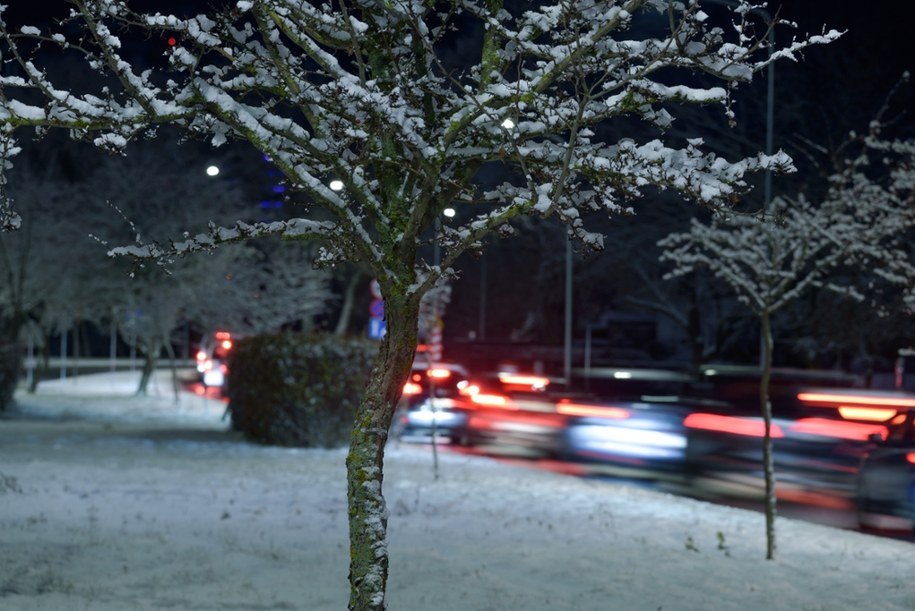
<point x="263" y="287"/>
<point x="404" y="103"/>
<point x="769" y="264"/>
<point x="148" y="195"/>
<point x="773" y="258"/>
<point x="29" y="258"/>
<point x="40" y="291"/>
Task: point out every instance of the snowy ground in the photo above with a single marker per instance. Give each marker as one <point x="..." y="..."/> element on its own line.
<point x="110" y="502"/>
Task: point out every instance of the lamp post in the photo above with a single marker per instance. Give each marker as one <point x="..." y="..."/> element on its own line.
<point x="567" y="343"/>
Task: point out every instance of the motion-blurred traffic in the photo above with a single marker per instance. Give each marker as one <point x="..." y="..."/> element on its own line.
<point x="696" y="434"/>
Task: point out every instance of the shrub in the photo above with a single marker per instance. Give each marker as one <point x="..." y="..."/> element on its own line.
<point x="298" y="389"/>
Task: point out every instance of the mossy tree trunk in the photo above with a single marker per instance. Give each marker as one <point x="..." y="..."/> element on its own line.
<point x="365" y="461"/>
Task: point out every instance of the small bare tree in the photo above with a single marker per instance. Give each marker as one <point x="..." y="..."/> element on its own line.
<point x="770" y="260"/>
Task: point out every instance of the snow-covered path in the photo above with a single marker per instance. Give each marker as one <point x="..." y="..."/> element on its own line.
<point x="110" y="502"/>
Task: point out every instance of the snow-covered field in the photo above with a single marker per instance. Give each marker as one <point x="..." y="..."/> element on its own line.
<point x="111" y="502"/>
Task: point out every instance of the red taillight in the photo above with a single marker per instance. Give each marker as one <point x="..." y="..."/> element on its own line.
<point x="838" y="429"/>
<point x="226" y="344"/>
<point x="599" y="411"/>
<point x="873" y="414"/>
<point x="751" y="427"/>
<point x="439" y="373"/>
<point x="468" y="389"/>
<point x="491" y="400"/>
<point x="517" y="379"/>
<point x="910" y="458"/>
<point x="412" y="388"/>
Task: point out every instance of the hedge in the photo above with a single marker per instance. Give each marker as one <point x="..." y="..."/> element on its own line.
<point x="297" y="389"/>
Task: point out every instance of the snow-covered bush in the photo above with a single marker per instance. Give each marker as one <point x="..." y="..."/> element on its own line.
<point x="298" y="389"/>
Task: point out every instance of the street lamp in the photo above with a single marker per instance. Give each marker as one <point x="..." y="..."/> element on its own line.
<point x="212" y="170"/>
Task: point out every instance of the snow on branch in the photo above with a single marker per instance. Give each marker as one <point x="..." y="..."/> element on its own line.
<point x="864" y="223"/>
<point x="568" y="103"/>
<point x="216" y="235"/>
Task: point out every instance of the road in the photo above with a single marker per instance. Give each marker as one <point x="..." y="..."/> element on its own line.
<point x="810" y="506"/>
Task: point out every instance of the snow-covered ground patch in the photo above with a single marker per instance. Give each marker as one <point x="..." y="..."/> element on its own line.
<point x="112" y="502"/>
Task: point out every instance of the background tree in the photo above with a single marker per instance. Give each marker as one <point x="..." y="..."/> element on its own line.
<point x="772" y="259"/>
<point x="42" y="264"/>
<point x="361" y="92"/>
<point x="263" y="287"/>
<point x="148" y="195"/>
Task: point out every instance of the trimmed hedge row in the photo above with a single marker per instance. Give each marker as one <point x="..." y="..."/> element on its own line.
<point x="298" y="389"/>
<point x="10" y="369"/>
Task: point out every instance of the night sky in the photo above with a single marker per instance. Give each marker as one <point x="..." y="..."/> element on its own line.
<point x="861" y="67"/>
<point x="834" y="89"/>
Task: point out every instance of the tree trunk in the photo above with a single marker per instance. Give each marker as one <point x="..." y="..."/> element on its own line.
<point x="346" y="310"/>
<point x="766" y="407"/>
<point x="149" y="367"/>
<point x="365" y="462"/>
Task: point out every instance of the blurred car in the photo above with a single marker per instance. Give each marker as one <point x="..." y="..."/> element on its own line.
<point x="427" y="407"/>
<point x="819" y="437"/>
<point x="885" y="492"/>
<point x="511" y="412"/>
<point x="647" y="438"/>
<point x="626" y="420"/>
<point x="211" y="358"/>
<point x="629" y="421"/>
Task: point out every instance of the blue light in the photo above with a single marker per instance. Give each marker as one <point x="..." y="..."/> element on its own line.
<point x="279" y="189"/>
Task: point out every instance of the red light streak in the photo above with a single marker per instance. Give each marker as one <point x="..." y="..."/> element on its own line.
<point x="846" y="399"/>
<point x="874" y="414"/>
<point x="518" y="379"/>
<point x="839" y="429"/>
<point x="599" y="411"/>
<point x="750" y="427"/>
<point x="491" y="400"/>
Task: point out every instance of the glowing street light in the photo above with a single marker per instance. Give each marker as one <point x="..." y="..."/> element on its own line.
<point x="336" y="185"/>
<point x="212" y="170"/>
